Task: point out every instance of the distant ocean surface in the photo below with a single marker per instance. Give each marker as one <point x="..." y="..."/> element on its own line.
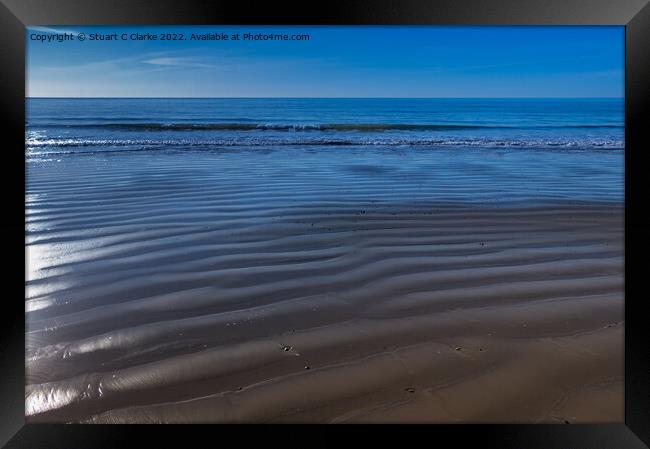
<point x="496" y="150"/>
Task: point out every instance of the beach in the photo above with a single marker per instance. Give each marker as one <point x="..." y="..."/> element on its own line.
<point x="321" y="282"/>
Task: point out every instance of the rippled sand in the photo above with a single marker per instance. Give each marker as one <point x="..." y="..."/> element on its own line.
<point x="203" y="294"/>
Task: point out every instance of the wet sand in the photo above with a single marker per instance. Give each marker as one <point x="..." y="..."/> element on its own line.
<point x="193" y="302"/>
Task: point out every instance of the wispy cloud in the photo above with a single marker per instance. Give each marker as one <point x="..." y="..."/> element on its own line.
<point x="54" y="30"/>
<point x="105" y="64"/>
<point x="177" y="62"/>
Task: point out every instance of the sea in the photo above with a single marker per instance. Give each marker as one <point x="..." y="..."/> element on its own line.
<point x="481" y="151"/>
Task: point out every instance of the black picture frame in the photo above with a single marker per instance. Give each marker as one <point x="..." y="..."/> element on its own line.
<point x="15" y="15"/>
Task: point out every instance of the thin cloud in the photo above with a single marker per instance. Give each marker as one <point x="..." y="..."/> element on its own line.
<point x="176" y="62"/>
<point x="53" y="30"/>
<point x="105" y="64"/>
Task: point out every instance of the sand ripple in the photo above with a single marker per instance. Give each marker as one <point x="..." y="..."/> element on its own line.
<point x="200" y="295"/>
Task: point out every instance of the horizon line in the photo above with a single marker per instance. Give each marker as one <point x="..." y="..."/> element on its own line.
<point x="327" y="98"/>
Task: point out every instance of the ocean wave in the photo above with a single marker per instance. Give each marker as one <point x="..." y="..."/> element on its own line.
<point x="51" y="146"/>
<point x="362" y="127"/>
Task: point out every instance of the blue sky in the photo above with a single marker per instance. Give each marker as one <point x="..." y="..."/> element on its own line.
<point x="378" y="61"/>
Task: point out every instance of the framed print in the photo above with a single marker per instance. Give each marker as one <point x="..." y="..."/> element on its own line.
<point x="428" y="214"/>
